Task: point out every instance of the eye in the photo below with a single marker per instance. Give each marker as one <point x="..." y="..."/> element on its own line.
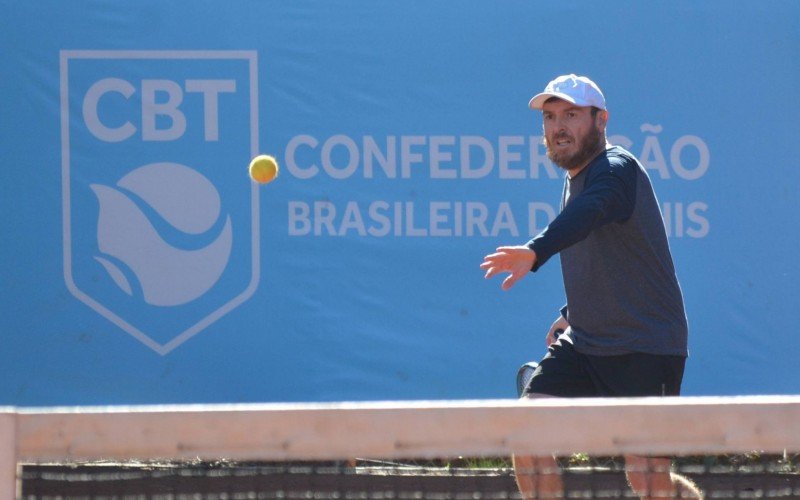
<point x="571" y="114"/>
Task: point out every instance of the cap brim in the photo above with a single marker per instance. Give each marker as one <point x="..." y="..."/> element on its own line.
<point x="539" y="99"/>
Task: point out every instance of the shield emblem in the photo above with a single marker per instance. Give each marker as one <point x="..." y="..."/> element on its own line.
<point x="160" y="220"/>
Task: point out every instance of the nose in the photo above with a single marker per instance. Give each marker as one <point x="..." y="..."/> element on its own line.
<point x="555" y="125"/>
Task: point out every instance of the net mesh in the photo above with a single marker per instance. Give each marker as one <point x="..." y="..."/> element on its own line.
<point x="313" y="452"/>
<point x="740" y="476"/>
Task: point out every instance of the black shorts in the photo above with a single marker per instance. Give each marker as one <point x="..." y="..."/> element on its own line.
<point x="564" y="372"/>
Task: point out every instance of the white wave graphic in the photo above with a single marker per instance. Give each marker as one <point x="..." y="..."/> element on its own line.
<point x="168" y="276"/>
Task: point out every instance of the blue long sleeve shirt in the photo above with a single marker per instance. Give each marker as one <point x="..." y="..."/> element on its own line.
<point x="622" y="292"/>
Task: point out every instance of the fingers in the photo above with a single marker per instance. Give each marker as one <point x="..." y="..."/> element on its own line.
<point x="493" y="269"/>
<point x="499" y="259"/>
<point x="495" y="263"/>
<point x="486" y="264"/>
<point x="493" y="257"/>
<point x="513" y="260"/>
<point x="511" y="279"/>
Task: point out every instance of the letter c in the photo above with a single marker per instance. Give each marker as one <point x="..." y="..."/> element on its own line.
<point x="291" y="162"/>
<point x="92" y="120"/>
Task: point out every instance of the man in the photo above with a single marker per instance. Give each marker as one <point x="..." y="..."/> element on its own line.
<point x="624" y="324"/>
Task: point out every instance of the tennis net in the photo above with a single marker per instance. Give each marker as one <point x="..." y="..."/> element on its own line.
<point x="742" y="447"/>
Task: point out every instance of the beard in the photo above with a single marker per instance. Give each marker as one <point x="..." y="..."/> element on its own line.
<point x="587" y="148"/>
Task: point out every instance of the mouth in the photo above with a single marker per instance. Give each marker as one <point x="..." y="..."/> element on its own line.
<point x="563" y="142"/>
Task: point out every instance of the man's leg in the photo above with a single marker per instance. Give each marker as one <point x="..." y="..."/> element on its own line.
<point x="559" y="374"/>
<point x="639" y="375"/>
<point x="651" y="478"/>
<point x="538" y="477"/>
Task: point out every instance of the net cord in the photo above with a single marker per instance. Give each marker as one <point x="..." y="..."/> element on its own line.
<point x="395" y="430"/>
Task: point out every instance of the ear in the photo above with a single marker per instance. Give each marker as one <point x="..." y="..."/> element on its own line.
<point x="602" y="119"/>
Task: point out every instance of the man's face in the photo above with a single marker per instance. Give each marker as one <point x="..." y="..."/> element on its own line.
<point x="571" y="134"/>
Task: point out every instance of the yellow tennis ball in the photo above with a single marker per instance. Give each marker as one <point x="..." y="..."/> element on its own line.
<point x="263" y="169"/>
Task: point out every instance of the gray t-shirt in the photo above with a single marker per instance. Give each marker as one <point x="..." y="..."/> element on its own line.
<point x="622" y="292"/>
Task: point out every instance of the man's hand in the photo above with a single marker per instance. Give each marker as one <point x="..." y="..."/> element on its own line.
<point x="517" y="261"/>
<point x="559" y="324"/>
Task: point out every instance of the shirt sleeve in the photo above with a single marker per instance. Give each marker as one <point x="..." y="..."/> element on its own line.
<point x="609" y="195"/>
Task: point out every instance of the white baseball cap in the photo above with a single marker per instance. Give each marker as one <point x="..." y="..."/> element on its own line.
<point x="578" y="90"/>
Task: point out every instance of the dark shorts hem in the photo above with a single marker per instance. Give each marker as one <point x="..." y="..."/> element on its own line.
<point x="564" y="372"/>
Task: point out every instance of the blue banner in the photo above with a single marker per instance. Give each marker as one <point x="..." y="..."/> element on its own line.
<point x="142" y="265"/>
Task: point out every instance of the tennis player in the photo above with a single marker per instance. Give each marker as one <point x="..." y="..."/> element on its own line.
<point x="625" y="328"/>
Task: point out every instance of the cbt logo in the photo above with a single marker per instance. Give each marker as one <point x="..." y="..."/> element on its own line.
<point x="161" y="229"/>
